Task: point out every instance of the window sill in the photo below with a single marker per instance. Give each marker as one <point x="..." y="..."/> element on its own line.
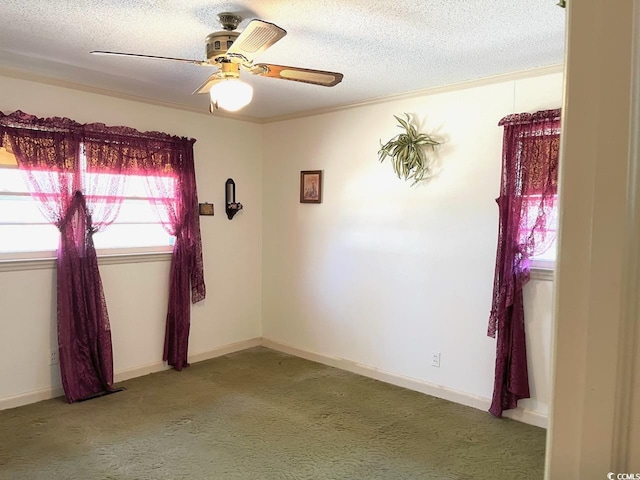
<point x="49" y="263"/>
<point x="542" y="273"/>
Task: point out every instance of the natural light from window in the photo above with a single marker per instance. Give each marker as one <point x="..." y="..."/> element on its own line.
<point x="546" y="256"/>
<point x="23" y="228"/>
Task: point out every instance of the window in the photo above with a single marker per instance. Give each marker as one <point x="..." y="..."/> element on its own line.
<point x="23" y="228"/>
<point x="65" y="184"/>
<point x="546" y="249"/>
<point x="536" y="165"/>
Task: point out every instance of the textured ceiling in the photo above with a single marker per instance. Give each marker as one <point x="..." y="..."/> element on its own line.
<point x="382" y="47"/>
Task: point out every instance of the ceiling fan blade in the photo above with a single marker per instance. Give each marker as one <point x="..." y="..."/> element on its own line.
<point x="206" y="86"/>
<point x="255" y="39"/>
<point x="296" y="74"/>
<point x="137" y="55"/>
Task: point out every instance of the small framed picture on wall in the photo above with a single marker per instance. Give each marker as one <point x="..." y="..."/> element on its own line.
<point x="311" y="186"/>
<point x="205" y="208"/>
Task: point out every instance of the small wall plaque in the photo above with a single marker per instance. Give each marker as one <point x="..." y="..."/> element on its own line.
<point x="206" y="208"/>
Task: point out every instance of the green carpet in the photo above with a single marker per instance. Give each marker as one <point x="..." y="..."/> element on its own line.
<point x="259" y="414"/>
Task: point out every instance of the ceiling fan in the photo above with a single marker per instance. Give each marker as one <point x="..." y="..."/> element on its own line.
<point x="229" y="51"/>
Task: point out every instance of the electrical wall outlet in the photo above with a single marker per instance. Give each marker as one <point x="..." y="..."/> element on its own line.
<point x="435" y="359"/>
<point x="53" y="357"/>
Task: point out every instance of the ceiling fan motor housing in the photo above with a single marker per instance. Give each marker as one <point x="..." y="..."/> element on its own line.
<point x="218" y="43"/>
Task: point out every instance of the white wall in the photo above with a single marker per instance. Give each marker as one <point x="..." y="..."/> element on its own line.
<point x="381" y="274"/>
<point x="137" y="293"/>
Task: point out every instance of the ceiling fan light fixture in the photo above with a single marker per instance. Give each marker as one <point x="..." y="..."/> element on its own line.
<point x="231" y="94"/>
<point x="229" y="50"/>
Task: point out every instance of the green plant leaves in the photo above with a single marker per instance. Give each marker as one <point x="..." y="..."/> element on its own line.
<point x="407" y="152"/>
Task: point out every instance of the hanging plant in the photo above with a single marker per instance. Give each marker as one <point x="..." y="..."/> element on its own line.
<point x="407" y="152"/>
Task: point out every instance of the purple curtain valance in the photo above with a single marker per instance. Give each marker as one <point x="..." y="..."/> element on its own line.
<point x="106" y="148"/>
<point x="531" y="118"/>
<point x="20" y="119"/>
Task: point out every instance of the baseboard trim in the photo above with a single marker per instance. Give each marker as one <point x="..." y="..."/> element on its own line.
<point x="127" y="374"/>
<point x="141" y="371"/>
<point x="530" y="417"/>
<point x="31" y="397"/>
<point x="226" y="350"/>
<point x="526" y="415"/>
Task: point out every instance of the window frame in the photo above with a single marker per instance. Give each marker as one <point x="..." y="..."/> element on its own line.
<point x="35" y="259"/>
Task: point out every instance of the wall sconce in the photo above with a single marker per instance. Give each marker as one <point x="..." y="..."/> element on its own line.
<point x="232" y="207"/>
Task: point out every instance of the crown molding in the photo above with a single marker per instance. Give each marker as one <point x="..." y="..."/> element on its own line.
<point x="479" y="82"/>
<point x="57" y="82"/>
